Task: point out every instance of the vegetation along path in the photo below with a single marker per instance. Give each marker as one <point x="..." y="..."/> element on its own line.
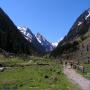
<point x="77" y="78"/>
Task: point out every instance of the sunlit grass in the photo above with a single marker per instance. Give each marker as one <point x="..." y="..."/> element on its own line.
<point x="35" y="74"/>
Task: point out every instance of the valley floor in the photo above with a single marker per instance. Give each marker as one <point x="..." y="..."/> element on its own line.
<point x="33" y="73"/>
<point x="77" y="78"/>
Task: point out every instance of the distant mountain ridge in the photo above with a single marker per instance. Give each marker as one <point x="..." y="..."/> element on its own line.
<point x="46" y="44"/>
<point x="55" y="44"/>
<point x="27" y="33"/>
<point x="29" y="36"/>
<point x="13" y="41"/>
<point x="38" y="40"/>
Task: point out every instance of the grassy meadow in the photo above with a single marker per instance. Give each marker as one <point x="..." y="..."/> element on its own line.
<point x="33" y="73"/>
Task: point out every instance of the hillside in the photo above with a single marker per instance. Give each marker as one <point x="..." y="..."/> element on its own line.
<point x="76" y="44"/>
<point x="12" y="40"/>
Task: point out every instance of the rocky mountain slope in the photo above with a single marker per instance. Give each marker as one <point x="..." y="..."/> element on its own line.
<point x="76" y="44"/>
<point x="11" y="39"/>
<point x="37" y="40"/>
<point x="30" y="37"/>
<point x="46" y="44"/>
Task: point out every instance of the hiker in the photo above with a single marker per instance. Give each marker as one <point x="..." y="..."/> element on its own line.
<point x="65" y="63"/>
<point x="61" y="62"/>
<point x="71" y="64"/>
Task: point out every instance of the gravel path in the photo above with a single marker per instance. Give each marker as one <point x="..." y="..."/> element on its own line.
<point x="77" y="78"/>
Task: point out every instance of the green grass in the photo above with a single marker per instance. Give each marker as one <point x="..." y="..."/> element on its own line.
<point x="37" y="74"/>
<point x="87" y="73"/>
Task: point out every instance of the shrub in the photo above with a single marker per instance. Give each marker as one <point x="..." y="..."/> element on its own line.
<point x="46" y="76"/>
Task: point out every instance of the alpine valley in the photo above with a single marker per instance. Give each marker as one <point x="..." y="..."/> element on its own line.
<point x="20" y="40"/>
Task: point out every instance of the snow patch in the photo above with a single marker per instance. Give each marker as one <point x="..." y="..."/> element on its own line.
<point x="87" y="15"/>
<point x="79" y="23"/>
<point x="39" y="40"/>
<point x="55" y="44"/>
<point x="27" y="34"/>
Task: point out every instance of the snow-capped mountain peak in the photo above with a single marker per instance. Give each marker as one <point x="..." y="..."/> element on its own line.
<point x="22" y="29"/>
<point x="40" y="38"/>
<point x="27" y="33"/>
<point x="37" y="39"/>
<point x="49" y="47"/>
<point x="55" y="44"/>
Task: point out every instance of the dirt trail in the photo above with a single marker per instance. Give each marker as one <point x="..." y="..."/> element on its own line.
<point x="77" y="78"/>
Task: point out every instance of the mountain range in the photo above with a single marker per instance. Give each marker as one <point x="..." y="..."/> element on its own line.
<point x="21" y="40"/>
<point x="37" y="40"/>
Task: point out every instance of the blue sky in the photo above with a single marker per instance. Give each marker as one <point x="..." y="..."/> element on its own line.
<point x="52" y="18"/>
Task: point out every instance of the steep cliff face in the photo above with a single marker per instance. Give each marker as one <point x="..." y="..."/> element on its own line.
<point x="76" y="44"/>
<point x="11" y="38"/>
